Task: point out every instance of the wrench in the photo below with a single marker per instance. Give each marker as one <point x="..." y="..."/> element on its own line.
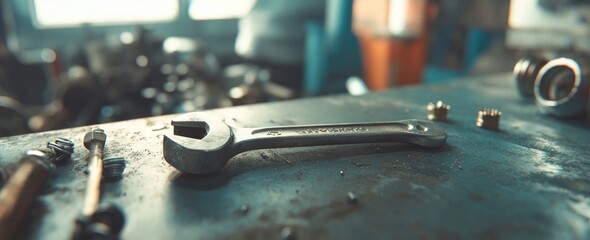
<point x="202" y="143"/>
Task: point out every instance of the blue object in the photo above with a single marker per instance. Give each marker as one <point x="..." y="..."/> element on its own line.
<point x="331" y="51"/>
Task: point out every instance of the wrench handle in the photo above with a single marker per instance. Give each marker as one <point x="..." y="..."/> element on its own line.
<point x="417" y="132"/>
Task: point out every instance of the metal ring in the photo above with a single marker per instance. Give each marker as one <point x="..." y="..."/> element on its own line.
<point x="571" y="104"/>
<point x="525" y="73"/>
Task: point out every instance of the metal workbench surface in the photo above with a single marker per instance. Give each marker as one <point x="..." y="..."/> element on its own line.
<point x="530" y="180"/>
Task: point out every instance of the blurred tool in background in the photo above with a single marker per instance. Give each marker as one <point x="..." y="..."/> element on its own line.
<point x="394" y="39"/>
<point x="332" y="52"/>
<point x="65" y="64"/>
<point x="554" y="35"/>
<point x="133" y="75"/>
<point x="280" y="43"/>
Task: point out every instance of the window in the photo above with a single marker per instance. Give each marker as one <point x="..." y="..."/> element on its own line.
<point x="72" y="13"/>
<point x="219" y="9"/>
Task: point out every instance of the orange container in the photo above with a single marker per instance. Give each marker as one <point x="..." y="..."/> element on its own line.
<point x="393" y="36"/>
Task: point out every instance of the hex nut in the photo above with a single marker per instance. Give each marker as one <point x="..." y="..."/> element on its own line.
<point x="488" y="118"/>
<point x="96" y="135"/>
<point x="438" y="111"/>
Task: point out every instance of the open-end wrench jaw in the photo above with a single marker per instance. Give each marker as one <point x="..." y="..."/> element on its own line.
<point x="202" y="143"/>
<point x="198" y="144"/>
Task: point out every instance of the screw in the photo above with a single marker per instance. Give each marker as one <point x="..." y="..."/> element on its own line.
<point x="488" y="118"/>
<point x="438" y="111"/>
<point x="341" y="173"/>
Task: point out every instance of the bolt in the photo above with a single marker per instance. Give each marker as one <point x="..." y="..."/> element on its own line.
<point x="96" y="136"/>
<point x="438" y="111"/>
<point x="341" y="173"/>
<point x="105" y="222"/>
<point x="94" y="141"/>
<point x="488" y="118"/>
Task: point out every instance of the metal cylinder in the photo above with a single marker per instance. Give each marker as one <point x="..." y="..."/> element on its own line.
<point x="94" y="141"/>
<point x="92" y="196"/>
<point x="525" y="73"/>
<point x="561" y="87"/>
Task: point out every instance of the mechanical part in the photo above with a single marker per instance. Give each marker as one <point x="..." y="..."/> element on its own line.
<point x="127" y="76"/>
<point x="525" y="73"/>
<point x="251" y="84"/>
<point x="488" y="118"/>
<point x="113" y="167"/>
<point x="25" y="180"/>
<point x="438" y="111"/>
<point x="21" y="189"/>
<point x="561" y="87"/>
<point x="94" y="141"/>
<point x="105" y="222"/>
<point x="61" y="148"/>
<point x="202" y="143"/>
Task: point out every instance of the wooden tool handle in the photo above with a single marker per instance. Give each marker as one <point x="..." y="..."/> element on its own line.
<point x="20" y="191"/>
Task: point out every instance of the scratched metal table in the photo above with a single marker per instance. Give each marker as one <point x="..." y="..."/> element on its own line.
<point x="531" y="180"/>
